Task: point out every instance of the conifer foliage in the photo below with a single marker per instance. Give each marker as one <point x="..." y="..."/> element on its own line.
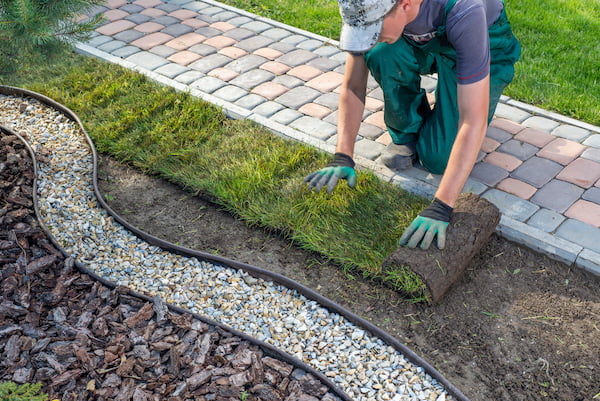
<point x="30" y="26"/>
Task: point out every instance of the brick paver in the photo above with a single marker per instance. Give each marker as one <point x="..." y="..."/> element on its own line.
<point x="113" y="15"/>
<point x="585" y="211"/>
<point x="326" y="82"/>
<point x="561" y="150"/>
<point x="557" y="195"/>
<point x="151" y="40"/>
<point x="233" y="52"/>
<point x="153" y="12"/>
<point x="305" y="72"/>
<point x="536" y="171"/>
<point x="184" y="57"/>
<point x="115" y="27"/>
<point x="534" y="137"/>
<point x="516" y="187"/>
<point x="149" y="27"/>
<point x="270" y="90"/>
<point x="315" y="110"/>
<point x="275" y="67"/>
<point x="581" y="172"/>
<point x="503" y="160"/>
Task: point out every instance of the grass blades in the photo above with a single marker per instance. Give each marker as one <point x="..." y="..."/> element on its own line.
<point x="250" y="171"/>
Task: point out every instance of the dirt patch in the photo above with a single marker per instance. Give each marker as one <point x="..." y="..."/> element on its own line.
<point x="517" y="326"/>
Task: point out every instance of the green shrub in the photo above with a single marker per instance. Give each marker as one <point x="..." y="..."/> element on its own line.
<point x="10" y="391"/>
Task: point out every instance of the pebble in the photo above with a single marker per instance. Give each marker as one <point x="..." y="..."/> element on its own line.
<point x="361" y="364"/>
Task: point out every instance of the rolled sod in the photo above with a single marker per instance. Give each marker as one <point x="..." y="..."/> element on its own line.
<point x="473" y="222"/>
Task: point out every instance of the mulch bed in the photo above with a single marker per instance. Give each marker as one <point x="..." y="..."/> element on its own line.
<point x="83" y="340"/>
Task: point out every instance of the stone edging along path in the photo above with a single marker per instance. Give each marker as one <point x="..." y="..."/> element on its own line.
<point x="335" y="345"/>
<point x="524" y="136"/>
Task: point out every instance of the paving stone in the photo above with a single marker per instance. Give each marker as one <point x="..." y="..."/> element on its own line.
<point x="223" y="26"/>
<point x="506" y="125"/>
<point x="202" y="49"/>
<point x="269" y="53"/>
<point x="257" y="26"/>
<point x="373" y="104"/>
<point x="209" y="63"/>
<point x="171" y="70"/>
<point x="286" y="116"/>
<point x="562" y="151"/>
<point x="276" y="33"/>
<point x="115" y="27"/>
<point x="372" y="132"/>
<point x="536" y="171"/>
<point x="282" y="47"/>
<point x="177" y="30"/>
<point x="147" y="3"/>
<point x="195" y="23"/>
<point x="510" y="205"/>
<point x="167" y="7"/>
<point x="149" y="27"/>
<point x="376" y="94"/>
<point x="128" y="36"/>
<point x="250" y="101"/>
<point x="147" y="60"/>
<point x="517" y="188"/>
<point x="113" y="15"/>
<point x="309" y="44"/>
<point x="548" y="244"/>
<point x="211" y="10"/>
<point x="330" y="100"/>
<point x="376" y="119"/>
<point x="593" y="141"/>
<point x="581" y="172"/>
<point x="557" y="195"/>
<point x="111" y="46"/>
<point x="326" y="51"/>
<point x="571" y="132"/>
<point x="252" y="79"/>
<point x="275" y="67"/>
<point x="591" y="154"/>
<point x="326" y="82"/>
<point x="296" y="57"/>
<point x="208" y="84"/>
<point x="115" y="3"/>
<point x="95" y="10"/>
<point x="535" y="137"/>
<point x="546" y="220"/>
<point x="239" y="21"/>
<point x="208" y="32"/>
<point x="225" y="16"/>
<point x="304" y="72"/>
<point x="189" y="76"/>
<point x="314" y="127"/>
<point x="368" y="149"/>
<point x="315" y="110"/>
<point x="163" y="51"/>
<point x="498" y="134"/>
<point x="267" y="109"/>
<point x="518" y="149"/>
<point x="270" y="90"/>
<point x="230" y="93"/>
<point x="166" y="20"/>
<point x="99" y="40"/>
<point x="580" y="233"/>
<point x="247" y="63"/>
<point x="541" y="123"/>
<point x="254" y="43"/>
<point x="511" y="113"/>
<point x="233" y="52"/>
<point x="585" y="211"/>
<point x="181" y="2"/>
<point x="126" y="51"/>
<point x="332" y="118"/>
<point x="589" y="261"/>
<point x="592" y="195"/>
<point x="132" y="8"/>
<point x="341" y="57"/>
<point x="183" y="14"/>
<point x="195" y="6"/>
<point x="489" y="145"/>
<point x="324" y="64"/>
<point x="297" y="97"/>
<point x="184" y="57"/>
<point x="138" y="18"/>
<point x="428" y="83"/>
<point x="238" y="34"/>
<point x="154" y="39"/>
<point x="152" y="12"/>
<point x="294" y="39"/>
<point x="224" y="74"/>
<point x="503" y="160"/>
<point x="219" y="41"/>
<point x="488" y="173"/>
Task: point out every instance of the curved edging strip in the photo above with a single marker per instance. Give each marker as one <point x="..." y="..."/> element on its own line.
<point x="252" y="270"/>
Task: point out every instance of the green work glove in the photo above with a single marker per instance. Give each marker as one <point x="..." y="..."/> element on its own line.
<point x="342" y="167"/>
<point x="431" y="222"/>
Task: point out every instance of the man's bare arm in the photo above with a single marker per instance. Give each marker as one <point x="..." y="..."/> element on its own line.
<point x="473" y="104"/>
<point x="352" y="103"/>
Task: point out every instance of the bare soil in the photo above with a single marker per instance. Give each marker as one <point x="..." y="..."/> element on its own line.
<point x="517" y="326"/>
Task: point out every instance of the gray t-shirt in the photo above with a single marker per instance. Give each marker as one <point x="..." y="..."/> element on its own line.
<point x="467" y="31"/>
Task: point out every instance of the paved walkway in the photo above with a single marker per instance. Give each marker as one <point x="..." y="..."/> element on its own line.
<point x="541" y="169"/>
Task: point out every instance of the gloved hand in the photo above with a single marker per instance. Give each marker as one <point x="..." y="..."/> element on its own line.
<point x="342" y="167"/>
<point x="431" y="222"/>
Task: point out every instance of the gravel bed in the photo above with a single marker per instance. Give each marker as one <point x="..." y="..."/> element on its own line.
<point x="359" y="363"/>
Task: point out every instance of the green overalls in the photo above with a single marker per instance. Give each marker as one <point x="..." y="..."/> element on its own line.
<point x="398" y="68"/>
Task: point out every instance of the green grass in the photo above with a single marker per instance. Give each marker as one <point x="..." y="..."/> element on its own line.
<point x="253" y="173"/>
<point x="560" y="65"/>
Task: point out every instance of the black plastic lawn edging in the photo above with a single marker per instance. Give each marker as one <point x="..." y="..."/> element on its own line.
<point x="251" y="270"/>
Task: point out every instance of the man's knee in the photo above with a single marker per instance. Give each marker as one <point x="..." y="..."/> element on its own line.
<point x="434" y="162"/>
